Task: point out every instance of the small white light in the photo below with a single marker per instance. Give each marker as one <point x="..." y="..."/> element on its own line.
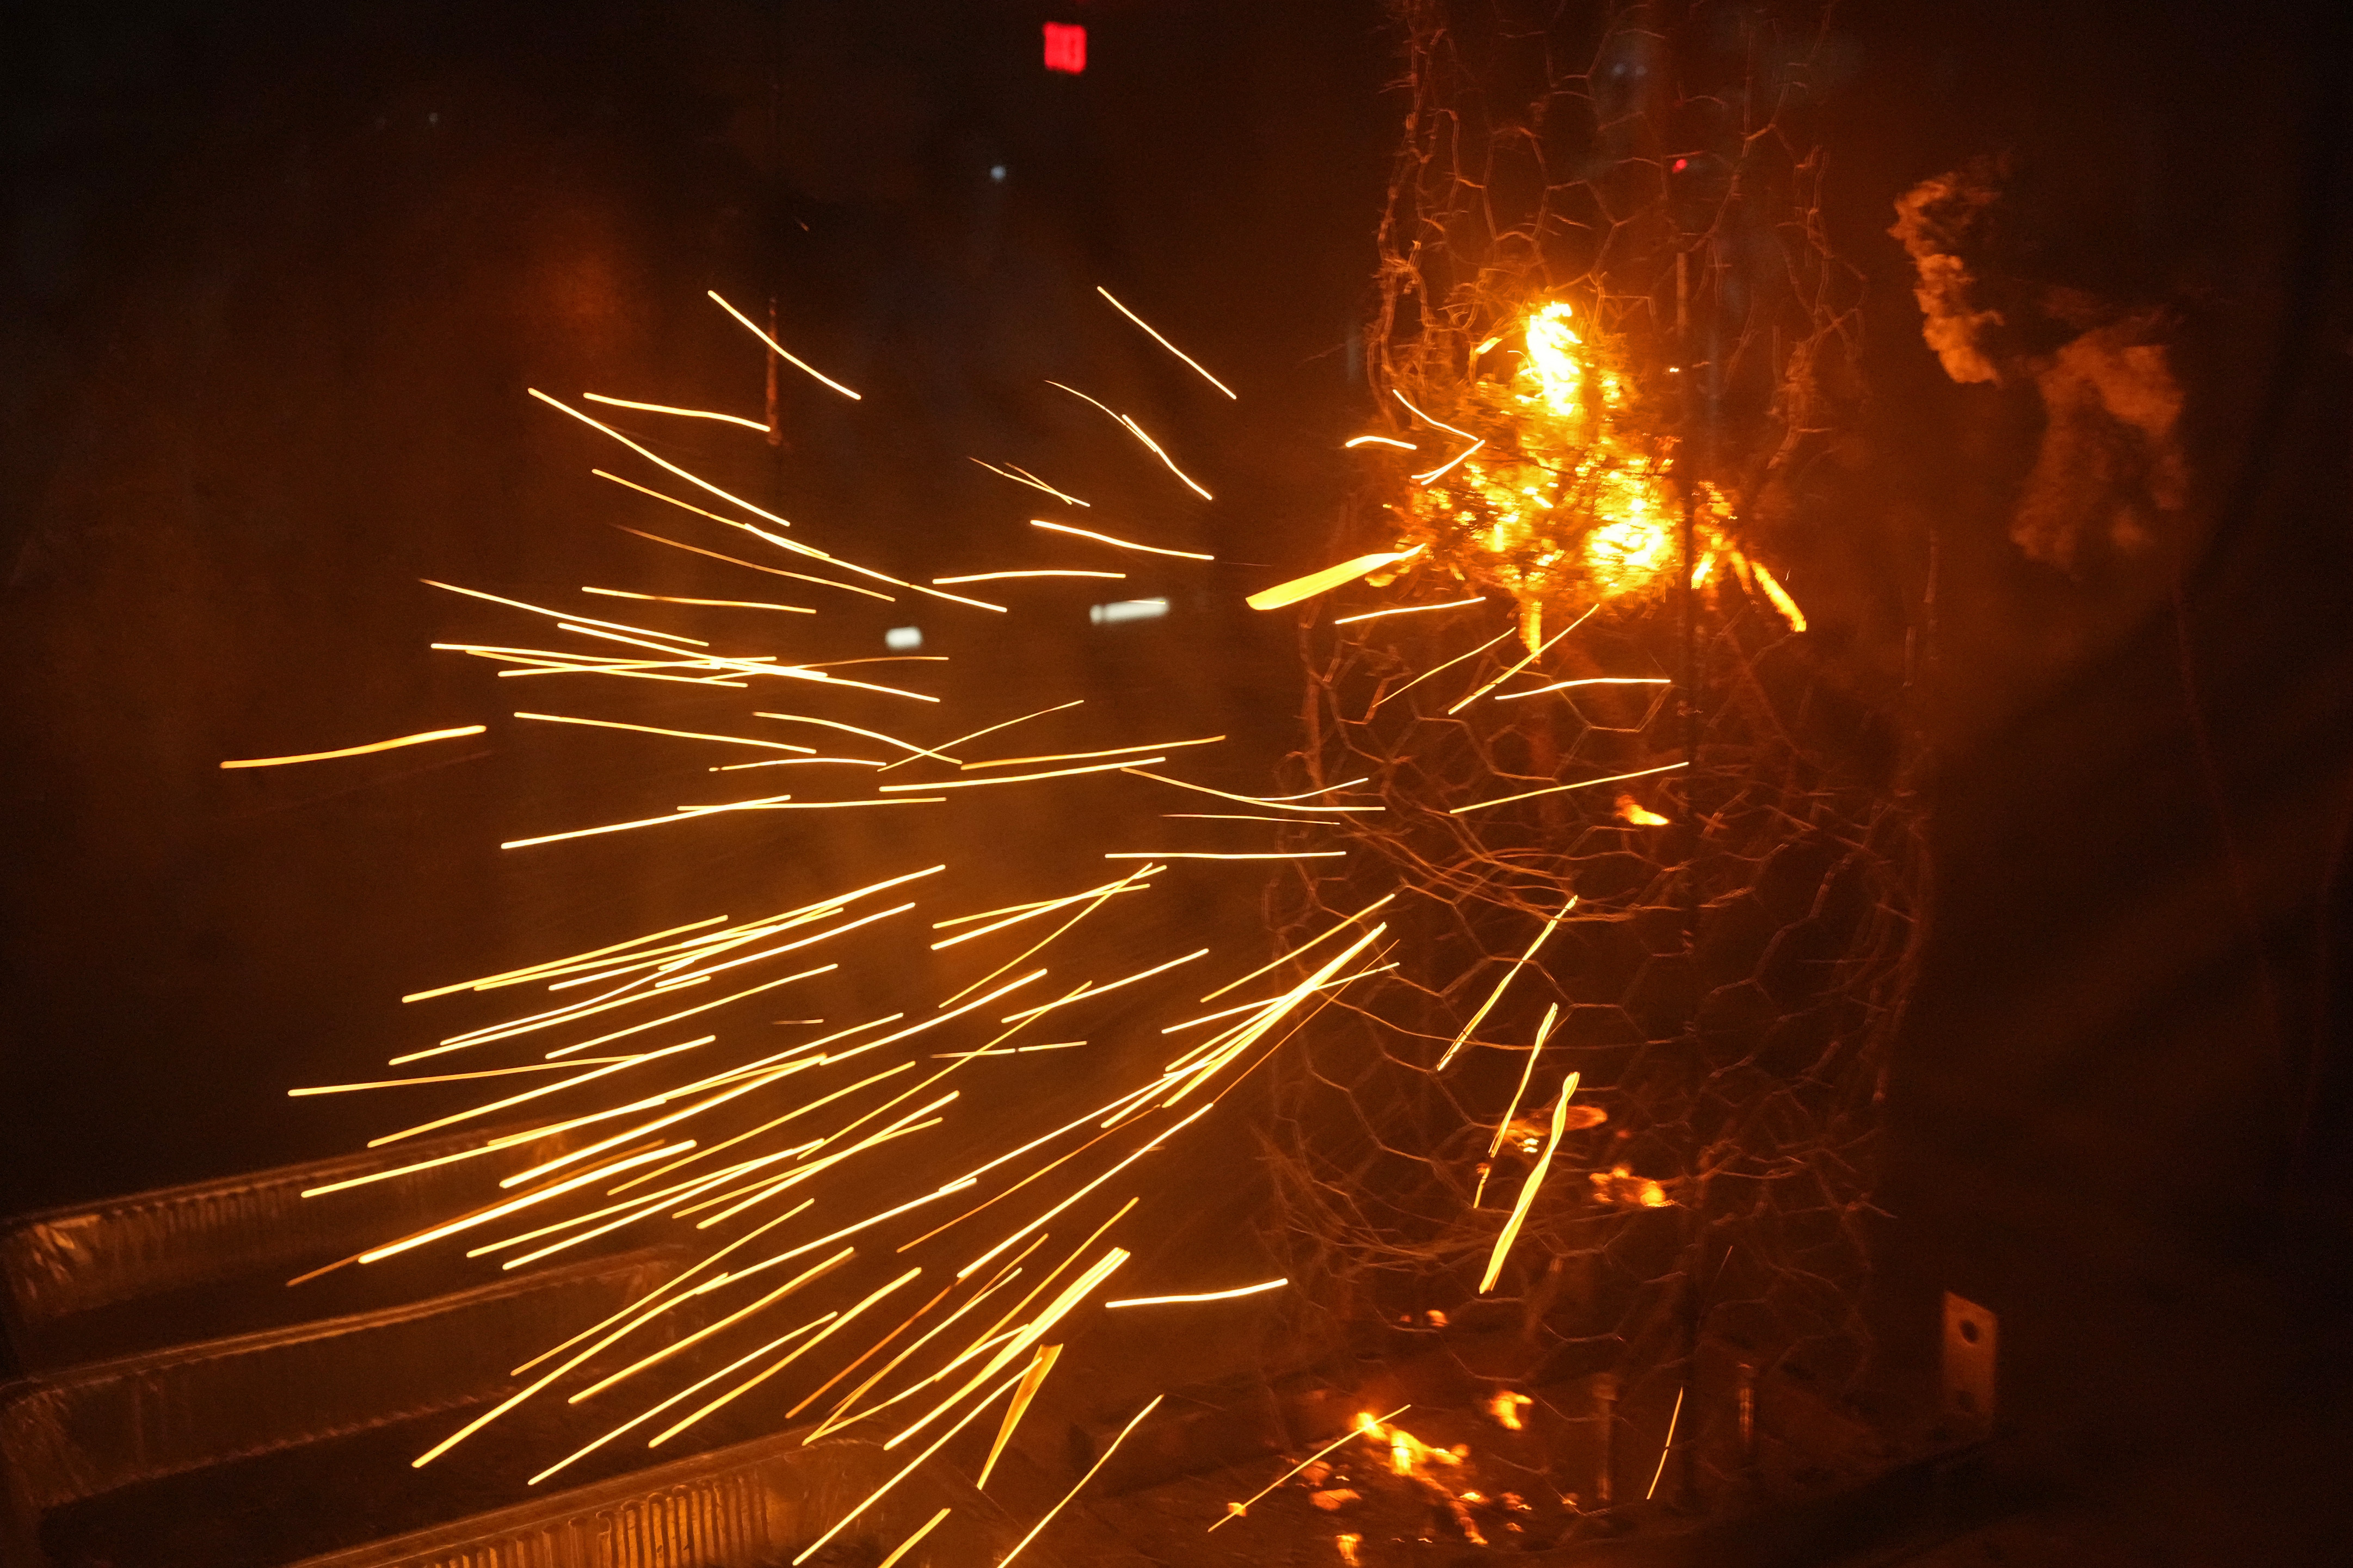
<point x="996" y="172"/>
<point x="1120" y="611"/>
<point x="903" y="639"/>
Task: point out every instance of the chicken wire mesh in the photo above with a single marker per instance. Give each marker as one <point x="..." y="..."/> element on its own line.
<point x="1672" y="854"/>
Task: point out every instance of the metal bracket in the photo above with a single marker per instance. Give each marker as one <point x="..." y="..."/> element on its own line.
<point x="1971" y="1337"/>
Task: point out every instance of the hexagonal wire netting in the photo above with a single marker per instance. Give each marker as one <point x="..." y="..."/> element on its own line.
<point x="1743" y="925"/>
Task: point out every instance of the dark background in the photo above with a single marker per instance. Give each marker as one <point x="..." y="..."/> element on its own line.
<point x="277" y="275"/>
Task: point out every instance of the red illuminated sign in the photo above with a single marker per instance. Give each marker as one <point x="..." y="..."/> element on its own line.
<point x="1066" y="47"/>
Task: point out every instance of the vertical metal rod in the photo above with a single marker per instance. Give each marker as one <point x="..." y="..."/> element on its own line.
<point x="1604" y="1402"/>
<point x="1747" y="1400"/>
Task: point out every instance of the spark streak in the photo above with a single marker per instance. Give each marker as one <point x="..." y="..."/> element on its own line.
<point x="1204" y="855"/>
<point x="723" y="603"/>
<point x="1236" y="1511"/>
<point x="1164" y="343"/>
<point x="995" y="577"/>
<point x="1118" y="543"/>
<point x="1497" y="993"/>
<point x="682" y="734"/>
<point x="1258" y="1290"/>
<point x="1408" y="610"/>
<point x="1017" y="778"/>
<point x="781" y="351"/>
<point x="420" y="738"/>
<point x="657" y="461"/>
<point x="1079" y="756"/>
<point x="1030" y="1381"/>
<point x="914" y="1540"/>
<point x="1137" y="431"/>
<point x="1021" y="476"/>
<point x="1511" y="1230"/>
<point x="1105" y="1458"/>
<point x="1590" y="680"/>
<point x="1330" y="577"/>
<point x="758" y="424"/>
<point x="1556" y="789"/>
<point x="843" y="1522"/>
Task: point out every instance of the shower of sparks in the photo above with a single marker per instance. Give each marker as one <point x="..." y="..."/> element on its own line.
<point x="417" y="740"/>
<point x="713" y="1136"/>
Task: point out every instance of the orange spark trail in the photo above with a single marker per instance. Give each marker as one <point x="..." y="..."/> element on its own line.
<point x="1107" y="751"/>
<point x="1099" y="1464"/>
<point x="418" y="739"/>
<point x="1086" y="994"/>
<point x="1164" y="343"/>
<point x="843" y="1522"/>
<point x="1497" y="993"/>
<point x="1236" y="1511"/>
<point x="1408" y="610"/>
<point x="658" y="1357"/>
<point x="1021" y="476"/>
<point x="694" y="1388"/>
<point x="1303" y="947"/>
<point x="657" y="461"/>
<point x="560" y="616"/>
<point x="989" y="730"/>
<point x="1137" y="431"/>
<point x="782" y="353"/>
<point x="1533" y="654"/>
<point x="995" y="576"/>
<point x="1251" y="799"/>
<point x="1015" y="778"/>
<point x="652" y="730"/>
<point x="731" y="561"/>
<point x="723" y="603"/>
<point x="1590" y="680"/>
<point x="1260" y="1288"/>
<point x="1204" y="855"/>
<point x="1030" y="1381"/>
<point x="1426" y="674"/>
<point x="1119" y="543"/>
<point x="914" y="1540"/>
<point x="1330" y="577"/>
<point x="1528" y="1189"/>
<point x="1556" y="789"/>
<point x="907" y="746"/>
<point x="843" y="1322"/>
<point x="760" y="425"/>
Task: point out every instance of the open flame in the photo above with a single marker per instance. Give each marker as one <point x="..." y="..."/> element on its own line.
<point x="1561" y="490"/>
